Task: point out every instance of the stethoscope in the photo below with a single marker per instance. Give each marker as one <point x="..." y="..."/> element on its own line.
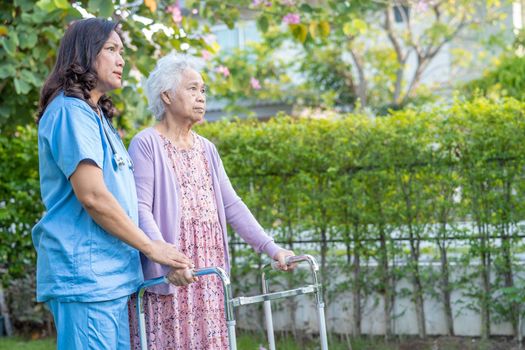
<point x="118" y="159"/>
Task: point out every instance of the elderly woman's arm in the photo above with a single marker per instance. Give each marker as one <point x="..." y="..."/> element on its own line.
<point x="142" y="155"/>
<point x="244" y="223"/>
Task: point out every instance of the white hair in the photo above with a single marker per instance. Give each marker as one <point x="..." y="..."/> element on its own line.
<point x="166" y="76"/>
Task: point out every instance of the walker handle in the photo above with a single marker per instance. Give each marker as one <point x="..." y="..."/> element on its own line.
<point x="212" y="271"/>
<point x="296" y="259"/>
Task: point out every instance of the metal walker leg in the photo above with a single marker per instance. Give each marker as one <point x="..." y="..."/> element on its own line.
<point x="228" y="307"/>
<point x="231" y="303"/>
<point x="315" y="288"/>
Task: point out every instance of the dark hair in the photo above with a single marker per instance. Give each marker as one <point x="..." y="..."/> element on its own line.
<point x="74" y="72"/>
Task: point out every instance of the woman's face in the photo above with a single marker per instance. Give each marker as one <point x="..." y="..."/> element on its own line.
<point x="188" y="102"/>
<point x="109" y="64"/>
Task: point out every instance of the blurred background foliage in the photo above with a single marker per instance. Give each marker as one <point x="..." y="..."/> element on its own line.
<point x="324" y="53"/>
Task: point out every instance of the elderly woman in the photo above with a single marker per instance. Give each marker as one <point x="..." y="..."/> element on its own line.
<point x="186" y="198"/>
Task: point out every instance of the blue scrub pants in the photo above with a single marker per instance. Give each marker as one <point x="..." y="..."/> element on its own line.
<point x="100" y="325"/>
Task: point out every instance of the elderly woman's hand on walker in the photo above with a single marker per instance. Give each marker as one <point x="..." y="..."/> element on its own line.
<point x="281" y="256"/>
<point x="181" y="277"/>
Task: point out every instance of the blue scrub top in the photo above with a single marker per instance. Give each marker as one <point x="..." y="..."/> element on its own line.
<point x="77" y="260"/>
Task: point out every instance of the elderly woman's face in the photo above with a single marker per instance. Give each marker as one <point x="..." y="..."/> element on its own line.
<point x="188" y="102"/>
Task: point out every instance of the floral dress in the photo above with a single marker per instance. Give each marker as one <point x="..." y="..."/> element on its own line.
<point x="193" y="318"/>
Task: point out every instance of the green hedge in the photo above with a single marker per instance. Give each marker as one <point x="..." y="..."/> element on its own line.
<point x="506" y="79"/>
<point x="20" y="203"/>
<point x="398" y="187"/>
<point x="388" y="188"/>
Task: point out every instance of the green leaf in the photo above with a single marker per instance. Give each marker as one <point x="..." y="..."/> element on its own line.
<point x="29" y="77"/>
<point x="93" y="5"/>
<point x="104" y="8"/>
<point x="262" y="23"/>
<point x="10" y="43"/>
<point x="230" y="23"/>
<point x="37" y="17"/>
<point x="27" y="40"/>
<point x="107" y="8"/>
<point x="46" y="5"/>
<point x="25" y="5"/>
<point x="312" y="28"/>
<point x="21" y="87"/>
<point x="7" y="70"/>
<point x="52" y="34"/>
<point x="348" y="29"/>
<point x="62" y="4"/>
<point x="191" y="3"/>
<point x="145" y="64"/>
<point x="299" y="32"/>
<point x="324" y="28"/>
<point x="355" y="27"/>
<point x="306" y="8"/>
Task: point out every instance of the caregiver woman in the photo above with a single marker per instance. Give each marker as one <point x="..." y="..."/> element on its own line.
<point x="88" y="240"/>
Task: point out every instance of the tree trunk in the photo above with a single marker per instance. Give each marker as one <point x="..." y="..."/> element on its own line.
<point x="386" y="284"/>
<point x="414" y="241"/>
<point x="416" y="284"/>
<point x="362" y="83"/>
<point x="445" y="285"/>
<point x="4" y="311"/>
<point x="356" y="290"/>
<point x="509" y="283"/>
<point x="485" y="280"/>
<point x="507" y="256"/>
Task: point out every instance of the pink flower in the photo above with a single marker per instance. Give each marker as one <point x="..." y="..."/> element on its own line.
<point x="206" y="55"/>
<point x="261" y="2"/>
<point x="175" y="13"/>
<point x="423" y="5"/>
<point x="288" y="2"/>
<point x="255" y="83"/>
<point x="261" y="347"/>
<point x="292" y="18"/>
<point x="195" y="11"/>
<point x="223" y="70"/>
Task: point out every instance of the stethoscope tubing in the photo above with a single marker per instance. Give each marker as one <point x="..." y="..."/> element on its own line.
<point x="116" y="157"/>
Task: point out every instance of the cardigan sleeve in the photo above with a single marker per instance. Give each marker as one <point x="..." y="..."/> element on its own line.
<point x="240" y="217"/>
<point x="142" y="155"/>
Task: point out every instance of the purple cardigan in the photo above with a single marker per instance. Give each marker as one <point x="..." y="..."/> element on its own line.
<point x="159" y="212"/>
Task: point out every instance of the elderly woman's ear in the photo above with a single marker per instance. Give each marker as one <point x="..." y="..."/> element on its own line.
<point x="166" y="97"/>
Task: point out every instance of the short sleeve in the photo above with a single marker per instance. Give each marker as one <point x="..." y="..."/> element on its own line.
<point x="75" y="137"/>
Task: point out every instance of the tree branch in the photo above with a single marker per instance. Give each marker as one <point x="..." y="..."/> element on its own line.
<point x="362" y="86"/>
<point x="401" y="57"/>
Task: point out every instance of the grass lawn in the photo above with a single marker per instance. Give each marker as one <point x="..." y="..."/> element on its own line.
<point x="254" y="341"/>
<point x="12" y="343"/>
<point x="246" y="341"/>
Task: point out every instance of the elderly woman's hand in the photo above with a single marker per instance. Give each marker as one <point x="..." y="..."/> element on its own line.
<point x="281" y="256"/>
<point x="181" y="277"/>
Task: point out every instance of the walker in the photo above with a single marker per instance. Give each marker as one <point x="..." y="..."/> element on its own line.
<point x="230" y="303"/>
